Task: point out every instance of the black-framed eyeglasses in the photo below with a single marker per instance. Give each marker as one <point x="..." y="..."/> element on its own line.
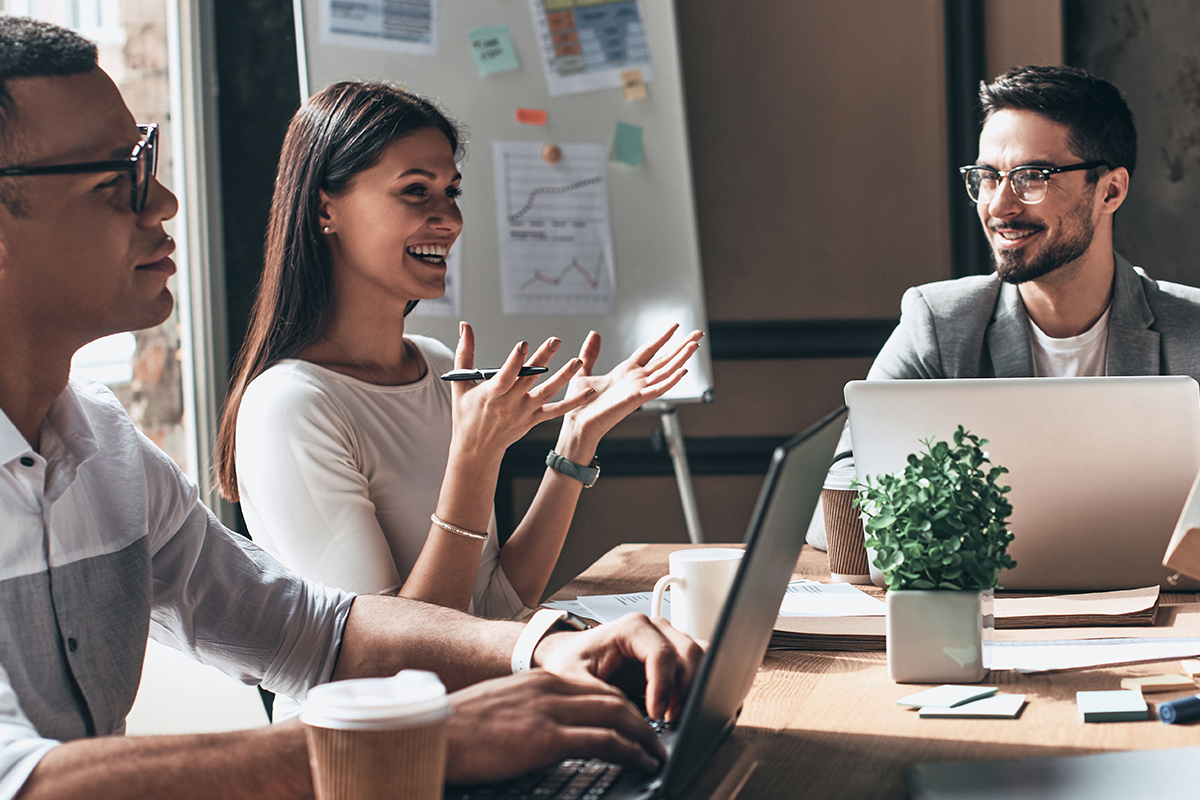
<point x="142" y="165"/>
<point x="1030" y="184"/>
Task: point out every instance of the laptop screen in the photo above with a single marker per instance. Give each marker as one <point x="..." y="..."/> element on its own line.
<point x="1100" y="468"/>
<point x="777" y="528"/>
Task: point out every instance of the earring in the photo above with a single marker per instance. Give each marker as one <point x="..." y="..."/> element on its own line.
<point x="325" y="229"/>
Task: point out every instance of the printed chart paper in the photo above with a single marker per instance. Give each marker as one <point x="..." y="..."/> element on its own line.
<point x="587" y="44"/>
<point x="402" y="26"/>
<point x="450" y="304"/>
<point x="556" y="251"/>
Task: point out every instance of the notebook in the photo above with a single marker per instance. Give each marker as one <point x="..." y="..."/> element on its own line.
<point x="777" y="528"/>
<point x="1100" y="468"/>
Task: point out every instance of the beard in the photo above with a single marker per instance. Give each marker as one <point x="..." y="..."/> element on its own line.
<point x="1072" y="242"/>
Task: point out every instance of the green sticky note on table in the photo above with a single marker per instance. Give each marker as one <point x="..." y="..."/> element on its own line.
<point x="1116" y="706"/>
<point x="492" y="49"/>
<point x="628" y="144"/>
<point x="947" y="696"/>
<point x="999" y="706"/>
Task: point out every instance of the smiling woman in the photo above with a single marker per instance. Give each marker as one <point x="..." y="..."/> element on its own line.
<point x="355" y="465"/>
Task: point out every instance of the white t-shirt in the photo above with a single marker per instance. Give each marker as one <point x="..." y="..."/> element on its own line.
<point x="338" y="476"/>
<point x="1082" y="356"/>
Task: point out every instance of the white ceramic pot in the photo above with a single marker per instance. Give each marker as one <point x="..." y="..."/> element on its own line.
<point x="938" y="636"/>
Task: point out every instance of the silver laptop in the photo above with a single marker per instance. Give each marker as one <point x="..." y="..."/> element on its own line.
<point x="1100" y="468"/>
<point x="777" y="528"/>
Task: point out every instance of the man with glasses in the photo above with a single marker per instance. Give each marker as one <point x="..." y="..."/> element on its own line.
<point x="1056" y="152"/>
<point x="103" y="541"/>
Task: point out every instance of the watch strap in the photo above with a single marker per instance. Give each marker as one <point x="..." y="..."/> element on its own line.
<point x="535" y="630"/>
<point x="585" y="475"/>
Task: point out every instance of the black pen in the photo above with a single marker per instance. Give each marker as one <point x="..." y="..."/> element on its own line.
<point x="484" y="374"/>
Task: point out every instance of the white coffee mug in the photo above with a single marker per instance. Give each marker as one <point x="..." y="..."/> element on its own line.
<point x="700" y="579"/>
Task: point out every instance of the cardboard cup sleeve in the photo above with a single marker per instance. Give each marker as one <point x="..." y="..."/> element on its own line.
<point x="844" y="537"/>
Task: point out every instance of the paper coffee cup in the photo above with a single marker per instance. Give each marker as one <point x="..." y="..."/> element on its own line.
<point x="848" y="561"/>
<point x="378" y="737"/>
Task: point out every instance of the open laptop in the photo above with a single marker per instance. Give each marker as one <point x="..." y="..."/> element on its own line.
<point x="777" y="528"/>
<point x="1100" y="468"/>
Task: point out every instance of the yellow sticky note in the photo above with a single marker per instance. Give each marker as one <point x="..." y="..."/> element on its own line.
<point x="1159" y="683"/>
<point x="633" y="84"/>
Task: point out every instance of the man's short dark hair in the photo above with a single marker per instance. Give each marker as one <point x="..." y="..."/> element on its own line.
<point x="1092" y="109"/>
<point x="30" y="48"/>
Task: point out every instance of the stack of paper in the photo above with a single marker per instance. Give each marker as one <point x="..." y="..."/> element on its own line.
<point x="1097" y="609"/>
<point x="829" y="633"/>
<point x="1129" y="607"/>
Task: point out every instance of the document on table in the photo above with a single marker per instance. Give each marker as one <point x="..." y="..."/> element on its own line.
<point x="1076" y="654"/>
<point x="803" y="599"/>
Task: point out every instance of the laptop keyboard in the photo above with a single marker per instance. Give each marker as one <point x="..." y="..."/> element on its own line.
<point x="574" y="779"/>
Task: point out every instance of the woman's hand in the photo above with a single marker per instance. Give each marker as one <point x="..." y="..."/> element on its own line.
<point x="490" y="415"/>
<point x="644" y="376"/>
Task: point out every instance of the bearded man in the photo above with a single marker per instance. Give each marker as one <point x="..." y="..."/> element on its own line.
<point x="1056" y="152"/>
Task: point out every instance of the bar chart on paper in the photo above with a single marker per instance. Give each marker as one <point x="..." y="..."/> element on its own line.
<point x="555" y="234"/>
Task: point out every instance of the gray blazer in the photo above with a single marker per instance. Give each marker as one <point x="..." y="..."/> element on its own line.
<point x="976" y="327"/>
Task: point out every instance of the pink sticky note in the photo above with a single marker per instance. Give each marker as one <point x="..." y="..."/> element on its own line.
<point x="532" y="116"/>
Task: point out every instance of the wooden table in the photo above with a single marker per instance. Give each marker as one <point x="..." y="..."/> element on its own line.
<point x="825" y="724"/>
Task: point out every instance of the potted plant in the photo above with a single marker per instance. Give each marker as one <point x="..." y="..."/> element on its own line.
<point x="937" y="532"/>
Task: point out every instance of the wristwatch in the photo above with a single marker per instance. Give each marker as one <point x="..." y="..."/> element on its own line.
<point x="585" y="475"/>
<point x="536" y="629"/>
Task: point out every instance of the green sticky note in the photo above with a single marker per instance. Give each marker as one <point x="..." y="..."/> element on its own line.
<point x="628" y="144"/>
<point x="492" y="49"/>
<point x="1000" y="706"/>
<point x="1113" y="706"/>
<point x="947" y="696"/>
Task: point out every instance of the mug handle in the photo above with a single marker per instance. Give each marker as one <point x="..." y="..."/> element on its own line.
<point x="656" y="600"/>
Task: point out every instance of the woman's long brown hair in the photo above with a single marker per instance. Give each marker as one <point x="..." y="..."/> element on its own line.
<point x="337" y="134"/>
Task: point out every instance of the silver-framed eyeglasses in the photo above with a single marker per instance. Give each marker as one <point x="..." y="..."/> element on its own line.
<point x="1029" y="183"/>
<point x="141" y="164"/>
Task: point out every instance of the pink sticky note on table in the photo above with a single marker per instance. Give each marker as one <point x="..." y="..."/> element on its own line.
<point x="532" y="116"/>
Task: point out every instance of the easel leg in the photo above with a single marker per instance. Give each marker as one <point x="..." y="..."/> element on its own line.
<point x="683" y="476"/>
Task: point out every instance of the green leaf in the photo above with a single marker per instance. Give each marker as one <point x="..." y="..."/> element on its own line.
<point x="941" y="521"/>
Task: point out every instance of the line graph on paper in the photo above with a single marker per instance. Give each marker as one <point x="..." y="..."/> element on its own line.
<point x="554" y="228"/>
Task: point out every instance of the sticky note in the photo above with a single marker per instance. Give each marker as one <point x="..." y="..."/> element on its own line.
<point x="1159" y="683"/>
<point x="1191" y="666"/>
<point x="1001" y="706"/>
<point x="633" y="84"/>
<point x="627" y="147"/>
<point x="492" y="49"/>
<point x="947" y="696"/>
<point x="1116" y="706"/>
<point x="532" y="116"/>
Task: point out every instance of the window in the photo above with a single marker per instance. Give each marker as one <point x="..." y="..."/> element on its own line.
<point x="148" y="370"/>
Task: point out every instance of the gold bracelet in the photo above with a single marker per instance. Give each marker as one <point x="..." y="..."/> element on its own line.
<point x="446" y="526"/>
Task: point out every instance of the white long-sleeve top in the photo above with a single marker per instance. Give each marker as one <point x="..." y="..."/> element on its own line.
<point x="338" y="476"/>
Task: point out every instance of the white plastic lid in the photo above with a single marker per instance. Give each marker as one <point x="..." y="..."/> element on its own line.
<point x="411" y="697"/>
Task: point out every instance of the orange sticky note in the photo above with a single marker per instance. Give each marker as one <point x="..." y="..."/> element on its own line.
<point x="532" y="116"/>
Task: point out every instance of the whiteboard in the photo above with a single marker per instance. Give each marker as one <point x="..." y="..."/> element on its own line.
<point x="656" y="254"/>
